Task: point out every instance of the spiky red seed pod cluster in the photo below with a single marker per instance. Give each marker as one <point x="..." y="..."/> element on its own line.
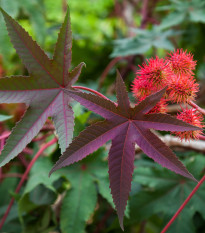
<point x="182" y="88"/>
<point x="160" y="107"/>
<point x="155" y="72"/>
<point x="181" y="62"/>
<point x="193" y="117"/>
<point x="175" y="72"/>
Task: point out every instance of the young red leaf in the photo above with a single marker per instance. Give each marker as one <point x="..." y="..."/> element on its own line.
<point x="125" y="126"/>
<point x="42" y="91"/>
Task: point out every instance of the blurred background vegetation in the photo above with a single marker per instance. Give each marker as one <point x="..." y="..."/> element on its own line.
<point x="107" y="34"/>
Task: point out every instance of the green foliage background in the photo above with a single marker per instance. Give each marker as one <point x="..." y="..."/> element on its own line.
<point x="81" y="192"/>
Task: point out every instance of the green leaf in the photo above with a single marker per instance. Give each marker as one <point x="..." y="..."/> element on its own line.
<point x="78" y="204"/>
<point x="4" y="117"/>
<point x="197" y="16"/>
<point x="8" y="186"/>
<point x="183" y="223"/>
<point x="143" y="41"/>
<point x="25" y="205"/>
<point x="39" y="189"/>
<point x="37" y="17"/>
<point x="12" y="221"/>
<point x="172" y="19"/>
<point x="41" y="195"/>
<point x="181" y="11"/>
<point x="166" y="192"/>
<point x="39" y="175"/>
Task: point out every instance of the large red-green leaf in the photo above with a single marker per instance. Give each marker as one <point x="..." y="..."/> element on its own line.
<point x="62" y="54"/>
<point x="33" y="57"/>
<point x="160" y="121"/>
<point x="74" y="74"/>
<point x="89" y="141"/>
<point x="147" y="104"/>
<point x="41" y="91"/>
<point x="101" y="106"/>
<point x="158" y="151"/>
<point x="121" y="166"/>
<point x="122" y="97"/>
<point x="125" y="127"/>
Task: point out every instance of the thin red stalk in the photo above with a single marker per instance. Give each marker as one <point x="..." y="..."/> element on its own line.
<point x="24" y="177"/>
<point x="28" y="151"/>
<point x="107" y="69"/>
<point x="1" y="173"/>
<point x="144" y="14"/>
<point x="8" y="175"/>
<point x="41" y="138"/>
<point x="101" y="224"/>
<point x="90" y="90"/>
<point x="201" y="110"/>
<point x="2" y="144"/>
<point x="48" y="128"/>
<point x="201" y="137"/>
<point x="23" y="160"/>
<point x="4" y="135"/>
<point x="183" y="205"/>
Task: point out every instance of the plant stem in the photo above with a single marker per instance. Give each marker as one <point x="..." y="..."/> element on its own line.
<point x="107" y="69"/>
<point x="41" y="138"/>
<point x="90" y="90"/>
<point x="23" y="160"/>
<point x="144" y="13"/>
<point x="12" y="175"/>
<point x="24" y="177"/>
<point x="202" y="137"/>
<point x="27" y="151"/>
<point x="183" y="205"/>
<point x="5" y="135"/>
<point x="101" y="224"/>
<point x="201" y="110"/>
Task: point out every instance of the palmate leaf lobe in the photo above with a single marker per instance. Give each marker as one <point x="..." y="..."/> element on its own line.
<point x="125" y="126"/>
<point x="42" y="90"/>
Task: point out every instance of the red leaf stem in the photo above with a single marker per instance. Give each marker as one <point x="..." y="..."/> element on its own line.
<point x="90" y="90"/>
<point x="24" y="177"/>
<point x="14" y="175"/>
<point x="42" y="137"/>
<point x="2" y="144"/>
<point x="183" y="205"/>
<point x="5" y="135"/>
<point x="1" y="173"/>
<point x="201" y="110"/>
<point x="28" y="151"/>
<point x="111" y="64"/>
<point x="201" y="137"/>
<point x="24" y="162"/>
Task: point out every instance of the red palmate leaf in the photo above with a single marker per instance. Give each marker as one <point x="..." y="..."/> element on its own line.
<point x="125" y="126"/>
<point x="42" y="91"/>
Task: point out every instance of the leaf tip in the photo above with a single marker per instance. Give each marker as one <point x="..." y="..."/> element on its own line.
<point x="51" y="171"/>
<point x="163" y="90"/>
<point x="3" y="12"/>
<point x="83" y="64"/>
<point x="119" y="76"/>
<point x="121" y="223"/>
